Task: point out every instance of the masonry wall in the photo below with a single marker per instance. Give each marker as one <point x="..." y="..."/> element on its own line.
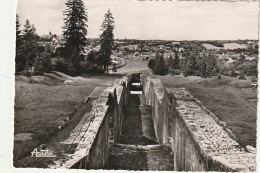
<point x="154" y="93"/>
<point x="198" y="140"/>
<point x="93" y="150"/>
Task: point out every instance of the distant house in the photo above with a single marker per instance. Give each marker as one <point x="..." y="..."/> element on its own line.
<point x="168" y="55"/>
<point x="46" y="38"/>
<point x="55" y="40"/>
<point x="175" y="43"/>
<point x="181" y="49"/>
<point x="145" y="55"/>
<point x="129" y="47"/>
<point x="162" y="47"/>
<point x="136" y="53"/>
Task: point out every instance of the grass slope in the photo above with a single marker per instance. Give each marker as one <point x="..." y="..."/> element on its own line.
<point x="39" y="108"/>
<point x="229" y="99"/>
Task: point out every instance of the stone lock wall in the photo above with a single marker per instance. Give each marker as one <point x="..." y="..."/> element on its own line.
<point x="93" y="150"/>
<point x="197" y="138"/>
<point x="154" y="93"/>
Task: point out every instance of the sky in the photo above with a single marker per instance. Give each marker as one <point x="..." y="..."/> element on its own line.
<point x="166" y="20"/>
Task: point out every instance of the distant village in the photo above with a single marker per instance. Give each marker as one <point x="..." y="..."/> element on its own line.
<point x="228" y="51"/>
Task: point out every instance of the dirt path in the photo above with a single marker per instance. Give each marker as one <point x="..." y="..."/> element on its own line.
<point x="138" y="148"/>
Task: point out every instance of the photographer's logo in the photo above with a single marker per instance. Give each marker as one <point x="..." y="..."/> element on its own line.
<point x="42" y="153"/>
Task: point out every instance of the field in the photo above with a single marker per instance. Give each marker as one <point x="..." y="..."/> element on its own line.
<point x="41" y="103"/>
<point x="230" y="99"/>
<point x="226" y="46"/>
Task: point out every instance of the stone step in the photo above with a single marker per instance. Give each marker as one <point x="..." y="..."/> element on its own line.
<point x="136" y="92"/>
<point x="136" y="84"/>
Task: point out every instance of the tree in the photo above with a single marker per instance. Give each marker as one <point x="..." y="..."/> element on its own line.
<point x="42" y="63"/>
<point x="92" y="56"/>
<point x="76" y="68"/>
<point x="212" y="67"/>
<point x="160" y="66"/>
<point x="202" y="64"/>
<point x="29" y="51"/>
<point x="18" y="32"/>
<point x="151" y="63"/>
<point x="19" y="59"/>
<point x="106" y="40"/>
<point x="171" y="63"/>
<point x="190" y="65"/>
<point x="75" y="29"/>
<point x="176" y="61"/>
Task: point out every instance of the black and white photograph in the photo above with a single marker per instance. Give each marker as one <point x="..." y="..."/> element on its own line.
<point x="135" y="85"/>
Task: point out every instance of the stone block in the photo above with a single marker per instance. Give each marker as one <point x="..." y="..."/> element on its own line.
<point x="180" y="94"/>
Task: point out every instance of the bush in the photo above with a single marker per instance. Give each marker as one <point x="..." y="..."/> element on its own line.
<point x="77" y="69"/>
<point x="92" y="56"/>
<point x="43" y="64"/>
<point x="61" y="65"/>
<point x="27" y="71"/>
<point x="160" y="67"/>
<point x="151" y="63"/>
<point x="175" y="71"/>
<point x="91" y="68"/>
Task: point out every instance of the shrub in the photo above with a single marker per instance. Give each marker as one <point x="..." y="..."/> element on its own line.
<point x="27" y="71"/>
<point x="77" y="69"/>
<point x="91" y="68"/>
<point x="151" y="63"/>
<point x="160" y="67"/>
<point x="43" y="63"/>
<point x="92" y="56"/>
<point x="61" y="65"/>
<point x="175" y="71"/>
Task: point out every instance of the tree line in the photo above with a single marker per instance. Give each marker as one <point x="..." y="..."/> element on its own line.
<point x="71" y="60"/>
<point x="199" y="62"/>
<point x="195" y="63"/>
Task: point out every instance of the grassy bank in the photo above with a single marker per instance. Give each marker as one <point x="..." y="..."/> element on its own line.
<point x="230" y="99"/>
<point x="42" y="103"/>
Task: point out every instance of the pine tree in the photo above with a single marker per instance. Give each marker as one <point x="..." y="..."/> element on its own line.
<point x="202" y="64"/>
<point x="160" y="66"/>
<point x="29" y="47"/>
<point x="75" y="29"/>
<point x="19" y="59"/>
<point x="176" y="61"/>
<point x="190" y="65"/>
<point x="211" y="63"/>
<point x="106" y="40"/>
<point x="171" y="63"/>
<point x="18" y="32"/>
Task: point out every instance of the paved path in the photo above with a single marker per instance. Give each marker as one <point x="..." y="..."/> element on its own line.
<point x="133" y="65"/>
